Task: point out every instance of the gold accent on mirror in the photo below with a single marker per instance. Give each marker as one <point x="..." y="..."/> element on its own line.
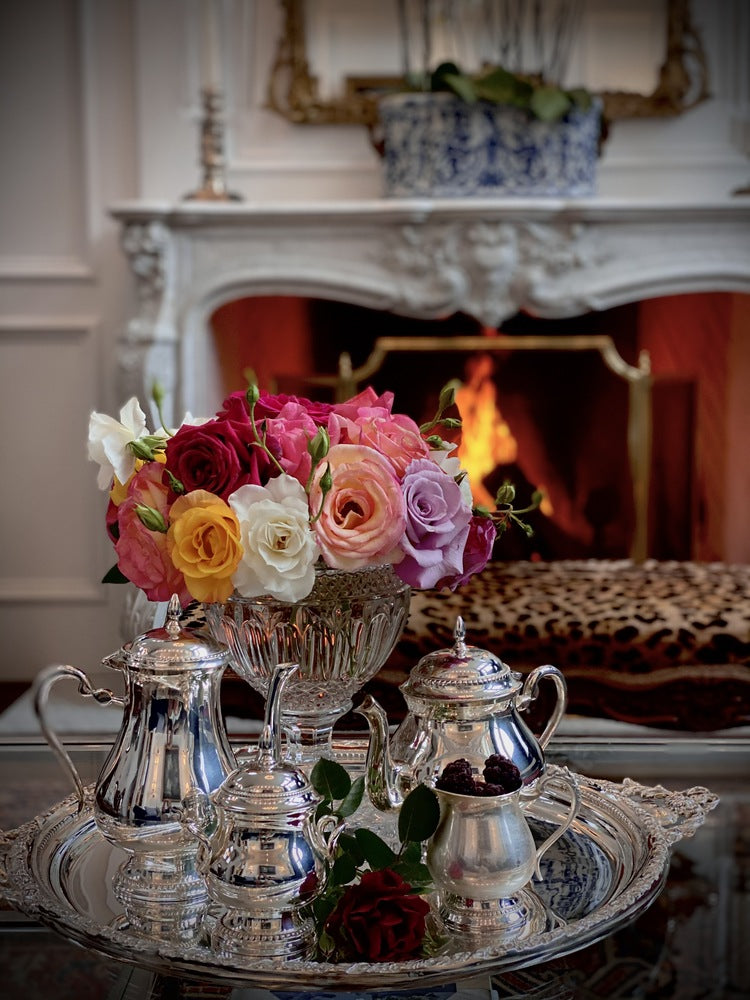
<point x="293" y="87"/>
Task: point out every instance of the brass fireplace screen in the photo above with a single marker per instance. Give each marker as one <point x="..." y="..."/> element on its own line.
<point x="348" y="380"/>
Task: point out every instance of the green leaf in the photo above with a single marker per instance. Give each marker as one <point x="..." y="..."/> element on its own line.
<point x="415" y="873"/>
<point x="419" y="815"/>
<point x="348" y="845"/>
<point x="330" y="779"/>
<point x="376" y="852"/>
<point x="581" y="97"/>
<point x="115" y="575"/>
<point x="461" y="86"/>
<point x="549" y="103"/>
<point x="353" y="799"/>
<point x="412" y="852"/>
<point x="343" y="871"/>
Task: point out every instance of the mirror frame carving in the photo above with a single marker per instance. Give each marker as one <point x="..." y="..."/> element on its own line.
<point x="293" y="88"/>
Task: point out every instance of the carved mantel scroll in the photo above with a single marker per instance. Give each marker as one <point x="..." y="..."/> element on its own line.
<point x="417" y="258"/>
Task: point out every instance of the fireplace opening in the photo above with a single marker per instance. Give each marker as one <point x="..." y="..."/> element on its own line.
<point x="558" y="419"/>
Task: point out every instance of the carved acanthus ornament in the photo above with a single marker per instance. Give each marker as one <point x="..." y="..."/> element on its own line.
<point x="489" y="270"/>
<point x="145" y="244"/>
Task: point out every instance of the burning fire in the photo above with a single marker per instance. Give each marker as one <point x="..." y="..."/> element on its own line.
<point x="486" y="439"/>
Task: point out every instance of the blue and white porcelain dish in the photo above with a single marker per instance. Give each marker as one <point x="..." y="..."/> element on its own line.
<point x="437" y="145"/>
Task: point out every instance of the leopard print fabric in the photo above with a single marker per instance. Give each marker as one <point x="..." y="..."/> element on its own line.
<point x="618" y="630"/>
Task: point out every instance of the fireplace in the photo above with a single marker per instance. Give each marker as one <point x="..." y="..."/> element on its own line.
<point x="346" y="270"/>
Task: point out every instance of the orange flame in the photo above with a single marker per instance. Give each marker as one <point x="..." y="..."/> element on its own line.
<point x="486" y="439"/>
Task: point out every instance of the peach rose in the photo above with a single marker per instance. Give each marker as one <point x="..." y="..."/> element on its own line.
<point x="204" y="544"/>
<point x="362" y="520"/>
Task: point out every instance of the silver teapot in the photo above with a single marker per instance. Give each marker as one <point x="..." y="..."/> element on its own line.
<point x="172" y="742"/>
<point x="263" y="853"/>
<point x="463" y="702"/>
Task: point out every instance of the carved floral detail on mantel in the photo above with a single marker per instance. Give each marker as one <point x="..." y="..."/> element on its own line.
<point x="489" y="270"/>
<point x="145" y="246"/>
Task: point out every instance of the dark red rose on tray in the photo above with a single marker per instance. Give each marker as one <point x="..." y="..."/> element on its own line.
<point x="379" y="919"/>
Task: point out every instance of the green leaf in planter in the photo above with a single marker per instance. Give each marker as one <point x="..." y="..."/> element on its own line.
<point x="419" y="815"/>
<point x="581" y="98"/>
<point x="330" y="779"/>
<point x="376" y="852"/>
<point x="549" y="103"/>
<point x="502" y="87"/>
<point x="461" y="86"/>
<point x="353" y="798"/>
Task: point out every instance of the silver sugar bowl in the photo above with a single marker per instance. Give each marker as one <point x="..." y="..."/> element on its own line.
<point x="463" y="702"/>
<point x="263" y="853"/>
<point x="172" y="742"/>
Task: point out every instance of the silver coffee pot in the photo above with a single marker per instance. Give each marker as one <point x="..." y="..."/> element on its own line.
<point x="172" y="742"/>
<point x="263" y="852"/>
<point x="463" y="702"/>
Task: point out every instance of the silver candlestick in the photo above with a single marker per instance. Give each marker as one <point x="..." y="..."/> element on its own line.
<point x="213" y="163"/>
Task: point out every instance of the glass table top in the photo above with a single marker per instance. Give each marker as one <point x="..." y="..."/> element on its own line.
<point x="690" y="944"/>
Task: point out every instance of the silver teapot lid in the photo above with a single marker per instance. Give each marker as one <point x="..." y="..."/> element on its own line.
<point x="172" y="647"/>
<point x="461" y="673"/>
<point x="263" y="783"/>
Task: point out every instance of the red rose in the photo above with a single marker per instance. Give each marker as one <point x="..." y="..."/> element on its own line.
<point x="235" y="407"/>
<point x="215" y="457"/>
<point x="477" y="552"/>
<point x="380" y="919"/>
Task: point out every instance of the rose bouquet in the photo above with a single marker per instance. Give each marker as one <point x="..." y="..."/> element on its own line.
<point x="249" y="500"/>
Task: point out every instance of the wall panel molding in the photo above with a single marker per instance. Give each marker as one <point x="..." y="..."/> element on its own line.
<point x="41" y="268"/>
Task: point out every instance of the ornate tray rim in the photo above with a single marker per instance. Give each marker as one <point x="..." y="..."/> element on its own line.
<point x="661" y="818"/>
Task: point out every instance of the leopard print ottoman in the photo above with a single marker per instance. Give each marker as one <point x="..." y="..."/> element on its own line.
<point x="659" y="643"/>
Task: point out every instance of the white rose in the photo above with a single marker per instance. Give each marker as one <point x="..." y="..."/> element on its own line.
<point x="109" y="440"/>
<point x="452" y="466"/>
<point x="279" y="546"/>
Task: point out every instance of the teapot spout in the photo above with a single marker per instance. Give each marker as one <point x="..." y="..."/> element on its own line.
<point x="381" y="774"/>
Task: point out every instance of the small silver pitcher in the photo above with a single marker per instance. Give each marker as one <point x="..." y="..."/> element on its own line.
<point x="172" y="742"/>
<point x="263" y="852"/>
<point x="483" y="856"/>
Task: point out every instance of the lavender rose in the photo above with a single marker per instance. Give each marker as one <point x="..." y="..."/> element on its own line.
<point x="437" y="525"/>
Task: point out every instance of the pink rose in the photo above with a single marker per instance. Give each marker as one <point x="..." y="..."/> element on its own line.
<point x="367" y="399"/>
<point x="215" y="457"/>
<point x="143" y="556"/>
<point x="362" y="519"/>
<point x="287" y="435"/>
<point x="395" y="436"/>
<point x="477" y="552"/>
<point x="437" y="525"/>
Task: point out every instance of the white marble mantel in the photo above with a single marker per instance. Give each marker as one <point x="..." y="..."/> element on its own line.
<point x="423" y="258"/>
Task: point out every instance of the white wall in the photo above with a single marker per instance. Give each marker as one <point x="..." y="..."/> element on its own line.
<point x="100" y="105"/>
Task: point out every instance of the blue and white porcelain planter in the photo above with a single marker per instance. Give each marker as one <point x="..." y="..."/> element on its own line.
<point x="437" y="145"/>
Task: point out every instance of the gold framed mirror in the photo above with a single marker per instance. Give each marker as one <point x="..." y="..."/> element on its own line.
<point x="294" y="87"/>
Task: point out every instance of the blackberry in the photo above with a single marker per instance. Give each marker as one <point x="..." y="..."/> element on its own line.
<point x="499" y="770"/>
<point x="457" y="777"/>
<point x="486" y="788"/>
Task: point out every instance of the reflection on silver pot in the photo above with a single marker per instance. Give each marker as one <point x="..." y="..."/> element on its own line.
<point x="483" y="853"/>
<point x="263" y="853"/>
<point x="172" y="742"/>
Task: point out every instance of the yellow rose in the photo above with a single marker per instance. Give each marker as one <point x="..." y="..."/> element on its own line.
<point x="204" y="544"/>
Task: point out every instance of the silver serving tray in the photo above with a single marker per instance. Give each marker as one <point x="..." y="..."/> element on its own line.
<point x="605" y="871"/>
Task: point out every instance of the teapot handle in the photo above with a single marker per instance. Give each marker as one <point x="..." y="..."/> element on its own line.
<point x="560" y="776"/>
<point x="41" y="689"/>
<point x="529" y="693"/>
